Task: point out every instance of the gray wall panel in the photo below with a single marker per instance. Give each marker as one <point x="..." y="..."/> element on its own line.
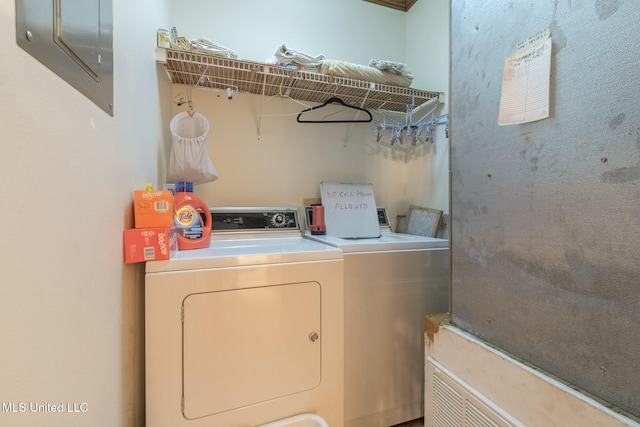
<point x="546" y="215"/>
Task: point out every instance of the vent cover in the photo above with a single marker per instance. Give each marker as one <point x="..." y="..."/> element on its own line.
<point x="450" y="402"/>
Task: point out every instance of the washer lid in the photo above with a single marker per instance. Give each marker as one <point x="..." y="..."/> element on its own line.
<point x="247" y="251"/>
<point x="388" y="241"/>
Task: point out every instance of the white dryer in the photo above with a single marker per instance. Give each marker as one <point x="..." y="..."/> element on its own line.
<point x="391" y="283"/>
<point x="247" y="331"/>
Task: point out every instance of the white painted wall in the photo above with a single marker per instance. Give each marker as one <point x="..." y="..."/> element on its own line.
<point x="353" y="31"/>
<point x="286" y="161"/>
<point x="70" y="311"/>
<point x="428" y="47"/>
<point x="71" y="314"/>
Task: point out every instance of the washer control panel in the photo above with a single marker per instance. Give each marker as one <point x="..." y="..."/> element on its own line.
<point x="254" y="219"/>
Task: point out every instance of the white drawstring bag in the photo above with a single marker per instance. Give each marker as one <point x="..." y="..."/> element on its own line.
<point x="189" y="159"/>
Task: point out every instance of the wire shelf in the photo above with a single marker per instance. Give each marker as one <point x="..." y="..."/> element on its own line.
<point x="215" y="72"/>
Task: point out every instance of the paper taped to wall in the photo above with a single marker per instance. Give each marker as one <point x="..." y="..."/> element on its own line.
<point x="525" y="81"/>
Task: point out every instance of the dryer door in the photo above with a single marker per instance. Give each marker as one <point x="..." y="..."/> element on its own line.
<point x="247" y="346"/>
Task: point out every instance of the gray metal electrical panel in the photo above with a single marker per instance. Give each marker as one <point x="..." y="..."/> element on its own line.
<point x="74" y="39"/>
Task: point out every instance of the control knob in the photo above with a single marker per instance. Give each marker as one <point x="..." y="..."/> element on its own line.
<point x="278" y="220"/>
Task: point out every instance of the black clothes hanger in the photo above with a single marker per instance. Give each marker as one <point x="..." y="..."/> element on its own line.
<point x="335" y="100"/>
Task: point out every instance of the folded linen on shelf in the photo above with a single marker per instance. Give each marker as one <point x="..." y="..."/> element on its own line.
<point x="334" y="67"/>
<point x="181" y="43"/>
<point x="205" y="45"/>
<point x="390" y="66"/>
<point x="286" y="56"/>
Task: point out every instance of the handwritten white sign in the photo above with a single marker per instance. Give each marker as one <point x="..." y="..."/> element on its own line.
<point x="350" y="210"/>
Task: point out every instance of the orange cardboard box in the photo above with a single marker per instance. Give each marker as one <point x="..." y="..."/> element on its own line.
<point x="149" y="244"/>
<point x="153" y="208"/>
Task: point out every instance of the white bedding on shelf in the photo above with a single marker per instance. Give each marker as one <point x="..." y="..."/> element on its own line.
<point x="334" y="67"/>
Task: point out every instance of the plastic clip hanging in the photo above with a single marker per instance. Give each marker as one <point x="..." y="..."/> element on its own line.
<point x="417" y="131"/>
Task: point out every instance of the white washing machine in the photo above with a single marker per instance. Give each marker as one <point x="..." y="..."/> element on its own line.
<point x="391" y="283"/>
<point x="247" y="331"/>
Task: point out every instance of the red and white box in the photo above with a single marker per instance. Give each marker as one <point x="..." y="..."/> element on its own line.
<point x="149" y="244"/>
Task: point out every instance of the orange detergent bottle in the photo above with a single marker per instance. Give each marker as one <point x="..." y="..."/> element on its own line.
<point x="192" y="219"/>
